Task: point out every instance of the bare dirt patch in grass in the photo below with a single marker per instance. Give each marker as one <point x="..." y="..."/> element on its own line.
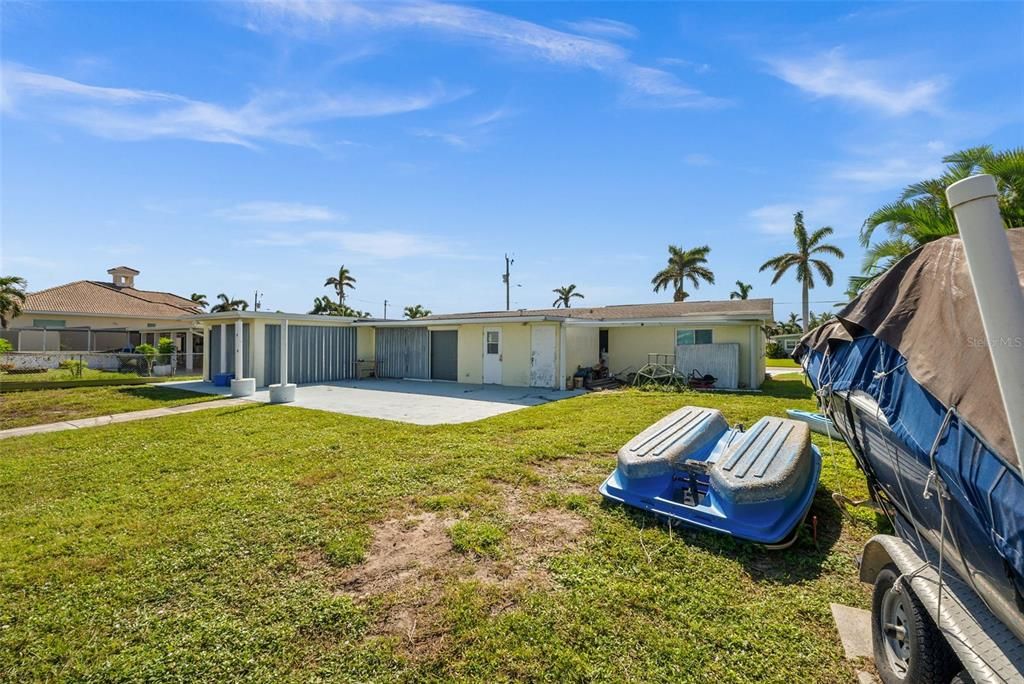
<point x="412" y="565"/>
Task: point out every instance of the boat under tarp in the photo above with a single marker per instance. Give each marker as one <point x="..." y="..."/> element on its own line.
<point x="755" y="484"/>
<point x="905" y="373"/>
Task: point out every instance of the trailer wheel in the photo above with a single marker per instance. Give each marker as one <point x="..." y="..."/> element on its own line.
<point x="908" y="646"/>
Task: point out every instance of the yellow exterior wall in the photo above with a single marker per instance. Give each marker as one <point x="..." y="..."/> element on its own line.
<point x="366" y="343"/>
<point x="581" y="348"/>
<point x="515" y="352"/>
<point x="628" y="347"/>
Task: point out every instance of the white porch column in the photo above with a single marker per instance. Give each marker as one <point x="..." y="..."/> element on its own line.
<point x="561" y="356"/>
<point x="223" y="347"/>
<point x="189" y="362"/>
<point x="241" y="386"/>
<point x="283" y="392"/>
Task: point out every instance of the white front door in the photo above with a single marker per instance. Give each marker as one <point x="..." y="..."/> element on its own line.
<point x="542" y="356"/>
<point x="492" y="356"/>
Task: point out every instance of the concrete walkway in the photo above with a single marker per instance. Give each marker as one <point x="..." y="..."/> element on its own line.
<point x="118" y="418"/>
<point x="407" y="401"/>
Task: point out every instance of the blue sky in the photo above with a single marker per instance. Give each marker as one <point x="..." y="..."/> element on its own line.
<point x="234" y="147"/>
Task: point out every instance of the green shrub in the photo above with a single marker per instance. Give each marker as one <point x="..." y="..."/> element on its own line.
<point x="774" y="350"/>
<point x="148" y="353"/>
<point x="165" y="347"/>
<point x="5" y="346"/>
<point x="75" y="366"/>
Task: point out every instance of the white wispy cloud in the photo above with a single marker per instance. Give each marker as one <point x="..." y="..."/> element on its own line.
<point x="277" y="212"/>
<point x="777" y="219"/>
<point x="647" y="86"/>
<point x="469" y="133"/>
<point x="384" y="244"/>
<point x="869" y="84"/>
<point x="893" y="165"/>
<point x="699" y="159"/>
<point x="696" y="67"/>
<point x="608" y="28"/>
<point x="135" y="114"/>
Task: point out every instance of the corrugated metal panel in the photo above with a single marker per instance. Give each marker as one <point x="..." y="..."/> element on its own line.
<point x="316" y="353"/>
<point x="214" y="343"/>
<point x="272" y="354"/>
<point x="721" y="360"/>
<point x="403" y="353"/>
<point x="444" y="354"/>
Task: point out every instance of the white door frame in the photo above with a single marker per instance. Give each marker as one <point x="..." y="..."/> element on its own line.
<point x="492" y="363"/>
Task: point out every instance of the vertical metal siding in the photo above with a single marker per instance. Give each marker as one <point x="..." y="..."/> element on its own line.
<point x="316" y="353"/>
<point x="272" y="354"/>
<point x="720" y="359"/>
<point x="214" y="343"/>
<point x="403" y="353"/>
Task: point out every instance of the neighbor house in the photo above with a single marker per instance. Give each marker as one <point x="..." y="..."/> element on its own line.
<point x="103" y="316"/>
<point x="523" y="348"/>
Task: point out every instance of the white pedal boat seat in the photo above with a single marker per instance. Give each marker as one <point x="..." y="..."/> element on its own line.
<point x="673" y="439"/>
<point x="766" y="463"/>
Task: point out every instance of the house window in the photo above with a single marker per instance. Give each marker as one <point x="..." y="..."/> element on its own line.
<point x="492" y="341"/>
<point x="46" y="323"/>
<point x="693" y="337"/>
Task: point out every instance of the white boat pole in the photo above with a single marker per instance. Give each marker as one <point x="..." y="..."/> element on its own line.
<point x="975" y="205"/>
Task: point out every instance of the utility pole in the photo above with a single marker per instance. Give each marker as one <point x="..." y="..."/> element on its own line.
<point x="507" y="280"/>
<point x="256" y="300"/>
<point x="385" y="309"/>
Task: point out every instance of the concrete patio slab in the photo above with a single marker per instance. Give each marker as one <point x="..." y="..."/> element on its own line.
<point x="407" y="401"/>
<point x="854" y="626"/>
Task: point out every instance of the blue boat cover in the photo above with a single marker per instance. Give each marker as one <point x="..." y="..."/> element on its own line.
<point x="983" y="483"/>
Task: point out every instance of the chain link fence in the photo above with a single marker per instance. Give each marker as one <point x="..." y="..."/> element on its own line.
<point x="61" y="366"/>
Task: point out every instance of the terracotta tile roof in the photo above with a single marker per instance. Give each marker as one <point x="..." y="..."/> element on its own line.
<point x="93" y="297"/>
<point x="755" y="308"/>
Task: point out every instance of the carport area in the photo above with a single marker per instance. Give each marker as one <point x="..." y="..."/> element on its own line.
<point x="407" y="401"/>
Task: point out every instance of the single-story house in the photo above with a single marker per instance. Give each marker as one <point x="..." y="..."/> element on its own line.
<point x="525" y="348"/>
<point x="104" y="316"/>
<point x="787" y="341"/>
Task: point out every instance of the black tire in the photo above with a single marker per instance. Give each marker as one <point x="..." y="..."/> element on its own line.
<point x="963" y="678"/>
<point x="915" y="652"/>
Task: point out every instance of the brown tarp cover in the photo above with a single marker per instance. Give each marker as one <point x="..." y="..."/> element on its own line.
<point x="925" y="308"/>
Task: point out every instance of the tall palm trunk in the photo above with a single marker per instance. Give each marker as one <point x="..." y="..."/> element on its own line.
<point x="807" y="306"/>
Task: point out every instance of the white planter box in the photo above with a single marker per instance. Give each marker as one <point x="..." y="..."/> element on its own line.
<point x="163" y="370"/>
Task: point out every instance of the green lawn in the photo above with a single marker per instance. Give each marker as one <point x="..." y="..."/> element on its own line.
<point x="268" y="543"/>
<point x="38" y="406"/>
<point x="781" y="363"/>
<point x="65" y="375"/>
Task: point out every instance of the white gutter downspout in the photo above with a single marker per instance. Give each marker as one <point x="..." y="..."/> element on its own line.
<point x="975" y="205"/>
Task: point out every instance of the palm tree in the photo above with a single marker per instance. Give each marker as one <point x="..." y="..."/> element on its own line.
<point x="229" y="304"/>
<point x="683" y="265"/>
<point x="324" y="306"/>
<point x="793" y="324"/>
<point x="804" y="260"/>
<point x="922" y="214"/>
<point x="199" y="300"/>
<point x="340" y="282"/>
<point x="742" y="290"/>
<point x="565" y="295"/>
<point x="416" y="311"/>
<point x="12" y="298"/>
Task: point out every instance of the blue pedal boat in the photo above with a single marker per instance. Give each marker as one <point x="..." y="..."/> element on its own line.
<point x="690" y="466"/>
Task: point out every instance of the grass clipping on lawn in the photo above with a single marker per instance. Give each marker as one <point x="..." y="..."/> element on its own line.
<point x="270" y="543"/>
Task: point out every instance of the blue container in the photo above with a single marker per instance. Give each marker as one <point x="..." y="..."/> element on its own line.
<point x="223" y="379"/>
